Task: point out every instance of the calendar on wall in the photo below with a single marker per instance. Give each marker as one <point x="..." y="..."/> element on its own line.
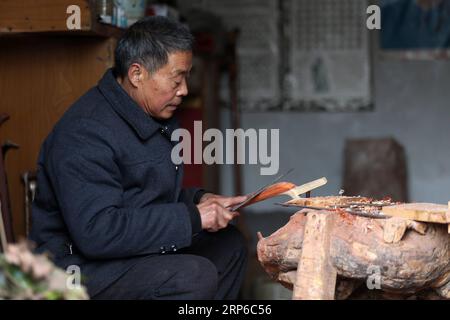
<point x="299" y="54"/>
<point x="329" y="59"/>
<point x="258" y="49"/>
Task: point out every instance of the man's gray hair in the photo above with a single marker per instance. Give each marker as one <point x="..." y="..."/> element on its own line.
<point x="149" y="43"/>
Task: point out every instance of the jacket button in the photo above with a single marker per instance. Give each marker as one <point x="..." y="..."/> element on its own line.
<point x="162" y="250"/>
<point x="69" y="245"/>
<point x="174" y="248"/>
<point x="176" y="168"/>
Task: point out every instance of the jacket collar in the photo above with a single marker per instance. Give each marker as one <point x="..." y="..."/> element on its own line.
<point x="144" y="125"/>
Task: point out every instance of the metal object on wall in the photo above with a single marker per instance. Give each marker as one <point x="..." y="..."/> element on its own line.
<point x="30" y="188"/>
<point x="3" y="241"/>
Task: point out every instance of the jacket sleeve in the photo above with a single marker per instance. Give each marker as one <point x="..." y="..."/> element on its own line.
<point x="191" y="197"/>
<point x="83" y="170"/>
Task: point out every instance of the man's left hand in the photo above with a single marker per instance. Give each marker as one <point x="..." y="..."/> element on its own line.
<point x="222" y="200"/>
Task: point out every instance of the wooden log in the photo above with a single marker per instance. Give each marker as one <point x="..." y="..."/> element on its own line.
<point x="316" y="276"/>
<point x="416" y="262"/>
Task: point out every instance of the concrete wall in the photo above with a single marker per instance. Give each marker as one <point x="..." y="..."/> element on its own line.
<point x="412" y="104"/>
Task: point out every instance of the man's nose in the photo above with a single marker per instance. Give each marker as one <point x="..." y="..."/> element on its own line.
<point x="183" y="91"/>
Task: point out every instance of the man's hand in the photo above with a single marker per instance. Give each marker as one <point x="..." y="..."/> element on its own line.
<point x="225" y="201"/>
<point x="214" y="213"/>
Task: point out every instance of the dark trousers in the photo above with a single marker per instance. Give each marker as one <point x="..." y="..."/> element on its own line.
<point x="213" y="267"/>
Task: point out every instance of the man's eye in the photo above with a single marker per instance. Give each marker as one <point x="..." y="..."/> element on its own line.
<point x="176" y="84"/>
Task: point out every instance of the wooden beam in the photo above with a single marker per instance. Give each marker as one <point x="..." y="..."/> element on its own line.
<point x="448" y="217"/>
<point x="316" y="277"/>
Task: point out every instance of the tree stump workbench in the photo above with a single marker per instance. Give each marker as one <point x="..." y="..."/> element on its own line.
<point x="330" y="254"/>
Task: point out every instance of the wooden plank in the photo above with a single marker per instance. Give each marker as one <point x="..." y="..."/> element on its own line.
<point x="316" y="277"/>
<point x="40" y="15"/>
<point x="41" y="77"/>
<point x="426" y="212"/>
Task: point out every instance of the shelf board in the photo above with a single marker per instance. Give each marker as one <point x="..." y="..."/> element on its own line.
<point x="49" y="17"/>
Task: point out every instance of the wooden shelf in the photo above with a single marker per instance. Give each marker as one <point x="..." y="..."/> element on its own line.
<point x="59" y="66"/>
<point x="49" y="17"/>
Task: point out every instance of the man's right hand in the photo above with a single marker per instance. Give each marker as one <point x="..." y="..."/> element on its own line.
<point x="214" y="213"/>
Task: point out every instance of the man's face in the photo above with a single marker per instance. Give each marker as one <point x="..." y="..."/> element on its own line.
<point x="160" y="93"/>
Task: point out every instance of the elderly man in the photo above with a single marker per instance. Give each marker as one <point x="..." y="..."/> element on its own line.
<point x="109" y="197"/>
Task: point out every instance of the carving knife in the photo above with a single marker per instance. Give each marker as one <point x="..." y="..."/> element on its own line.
<point x="281" y="188"/>
<point x="252" y="197"/>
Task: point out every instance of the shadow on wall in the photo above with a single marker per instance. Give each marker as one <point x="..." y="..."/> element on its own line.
<point x="375" y="168"/>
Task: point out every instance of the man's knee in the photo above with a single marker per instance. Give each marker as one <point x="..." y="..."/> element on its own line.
<point x="234" y="239"/>
<point x="202" y="277"/>
<point x="195" y="278"/>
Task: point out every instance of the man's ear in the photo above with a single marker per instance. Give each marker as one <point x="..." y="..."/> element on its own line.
<point x="136" y="74"/>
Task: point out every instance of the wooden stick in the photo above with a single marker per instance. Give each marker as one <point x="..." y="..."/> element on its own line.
<point x="316" y="276"/>
<point x="307" y="187"/>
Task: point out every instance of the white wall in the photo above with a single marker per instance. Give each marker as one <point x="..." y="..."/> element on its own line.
<point x="412" y="104"/>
